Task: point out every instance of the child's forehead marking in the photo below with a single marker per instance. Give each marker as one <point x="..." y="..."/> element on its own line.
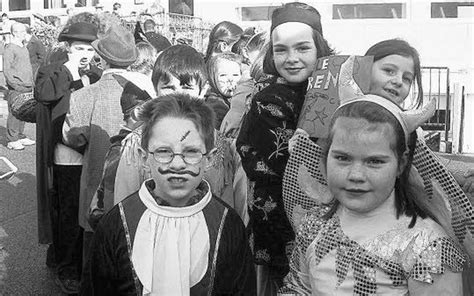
<point x="186" y="134"/>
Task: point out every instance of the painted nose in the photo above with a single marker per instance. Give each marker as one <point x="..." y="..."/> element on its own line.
<point x="356" y="173"/>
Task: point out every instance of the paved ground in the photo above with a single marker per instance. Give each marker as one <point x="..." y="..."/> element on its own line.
<point x="26" y="272"/>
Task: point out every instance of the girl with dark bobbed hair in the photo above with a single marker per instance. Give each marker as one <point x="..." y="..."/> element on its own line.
<point x="222" y="37"/>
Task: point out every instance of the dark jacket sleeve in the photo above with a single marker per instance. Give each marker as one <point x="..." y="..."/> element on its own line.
<point x="53" y="82"/>
<point x="263" y="139"/>
<point x="108" y="270"/>
<point x="235" y="274"/>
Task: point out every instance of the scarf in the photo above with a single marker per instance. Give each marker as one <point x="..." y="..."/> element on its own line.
<point x="171" y="247"/>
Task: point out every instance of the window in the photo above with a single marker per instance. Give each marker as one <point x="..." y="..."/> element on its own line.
<point x="369" y="11"/>
<point x="19" y="5"/>
<point x="451" y="9"/>
<point x="53" y="3"/>
<point x="257" y="13"/>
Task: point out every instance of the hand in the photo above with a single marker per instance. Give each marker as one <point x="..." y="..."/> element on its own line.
<point x="73" y="64"/>
<point x="230" y="124"/>
<point x="468" y="186"/>
<point x="292" y="141"/>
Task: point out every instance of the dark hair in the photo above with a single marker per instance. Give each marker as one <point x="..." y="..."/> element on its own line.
<point x="178" y="106"/>
<point x="84" y="17"/>
<point x="146" y="58"/>
<point x="399" y="47"/>
<point x="149" y="25"/>
<point x="4" y="14"/>
<point x="374" y="113"/>
<point x="256" y="68"/>
<point x="238" y="47"/>
<point x="226" y="32"/>
<point x="249" y="43"/>
<point x="181" y="61"/>
<point x="212" y="65"/>
<point x="322" y="47"/>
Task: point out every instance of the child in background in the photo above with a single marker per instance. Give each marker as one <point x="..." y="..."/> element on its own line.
<point x="222" y="37"/>
<point x="396" y="68"/>
<point x="141" y="70"/>
<point x="131" y="101"/>
<point x="224" y="72"/>
<point x="296" y="42"/>
<point x="230" y="125"/>
<point x="379" y="237"/>
<point x="178" y="69"/>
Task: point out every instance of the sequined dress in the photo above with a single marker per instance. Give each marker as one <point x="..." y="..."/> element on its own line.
<point x="327" y="262"/>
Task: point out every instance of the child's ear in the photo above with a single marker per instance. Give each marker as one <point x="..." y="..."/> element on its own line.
<point x="245" y="53"/>
<point x="323" y="167"/>
<point x="210" y="158"/>
<point x="143" y="160"/>
<point x="204" y="90"/>
<point x="223" y="46"/>
<point x="403" y="162"/>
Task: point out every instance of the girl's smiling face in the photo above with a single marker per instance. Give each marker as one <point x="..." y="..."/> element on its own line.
<point x="294" y="51"/>
<point x="392" y="77"/>
<point x="227" y="75"/>
<point x="361" y="165"/>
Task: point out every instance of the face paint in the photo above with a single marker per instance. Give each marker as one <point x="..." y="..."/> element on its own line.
<point x="185" y="136"/>
<point x="171" y="172"/>
<point x="176" y="181"/>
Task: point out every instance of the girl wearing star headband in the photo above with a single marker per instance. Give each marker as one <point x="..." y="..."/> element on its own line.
<point x="396" y="68"/>
<point x="296" y="42"/>
<point x="379" y="236"/>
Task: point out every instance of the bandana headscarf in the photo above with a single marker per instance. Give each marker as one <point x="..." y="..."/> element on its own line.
<point x="299" y="15"/>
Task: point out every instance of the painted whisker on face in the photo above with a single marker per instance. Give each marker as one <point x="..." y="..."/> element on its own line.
<point x="185" y="136"/>
<point x="185" y="172"/>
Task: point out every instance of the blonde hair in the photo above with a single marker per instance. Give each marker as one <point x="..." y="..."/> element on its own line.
<point x="146" y="58"/>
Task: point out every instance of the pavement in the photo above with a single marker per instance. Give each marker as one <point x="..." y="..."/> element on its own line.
<point x="22" y="260"/>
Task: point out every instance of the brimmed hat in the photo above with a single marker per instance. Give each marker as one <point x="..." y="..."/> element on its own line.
<point x="80" y="31"/>
<point x="117" y="47"/>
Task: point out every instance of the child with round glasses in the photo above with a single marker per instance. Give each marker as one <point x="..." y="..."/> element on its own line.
<point x="173" y="236"/>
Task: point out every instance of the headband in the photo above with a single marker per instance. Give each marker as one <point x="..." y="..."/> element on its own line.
<point x="410" y="120"/>
<point x="298" y="15"/>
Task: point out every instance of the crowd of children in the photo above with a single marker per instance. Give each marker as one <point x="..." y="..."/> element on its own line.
<point x="166" y="173"/>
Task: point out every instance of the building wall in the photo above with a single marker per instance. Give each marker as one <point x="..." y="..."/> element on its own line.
<point x="447" y="42"/>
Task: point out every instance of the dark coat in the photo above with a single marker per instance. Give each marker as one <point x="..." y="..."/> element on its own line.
<point x="53" y="89"/>
<point x="263" y="146"/>
<point x="110" y="270"/>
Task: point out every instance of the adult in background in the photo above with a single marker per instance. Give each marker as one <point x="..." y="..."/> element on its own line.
<point x="19" y="78"/>
<point x="158" y="41"/>
<point x="36" y="49"/>
<point x="95" y="115"/>
<point x="6" y="27"/>
<point x="58" y="167"/>
<point x="173" y="236"/>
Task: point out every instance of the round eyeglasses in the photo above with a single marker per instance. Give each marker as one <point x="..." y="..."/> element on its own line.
<point x="166" y="156"/>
